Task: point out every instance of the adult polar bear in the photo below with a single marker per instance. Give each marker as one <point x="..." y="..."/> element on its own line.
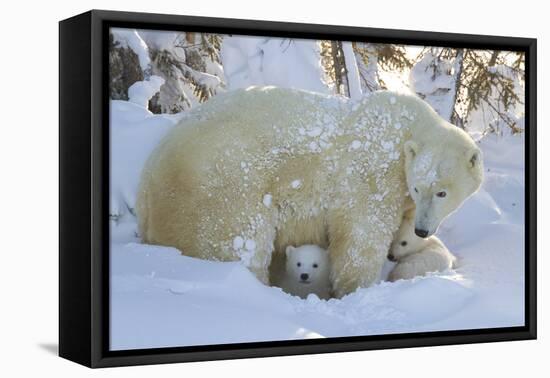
<point x="252" y="171"/>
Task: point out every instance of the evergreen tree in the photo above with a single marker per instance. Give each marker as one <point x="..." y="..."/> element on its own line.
<point x="459" y="83"/>
<point x="492" y="83"/>
<point x="374" y="57"/>
<point x="124" y="69"/>
<point x="191" y="69"/>
<point x="189" y="63"/>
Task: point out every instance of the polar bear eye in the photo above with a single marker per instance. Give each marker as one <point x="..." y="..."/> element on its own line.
<point x="416" y="190"/>
<point x="404" y="243"/>
<point x="299" y="264"/>
<point x="315" y="265"/>
<point x="441" y="194"/>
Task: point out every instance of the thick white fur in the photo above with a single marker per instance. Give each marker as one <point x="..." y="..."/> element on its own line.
<point x="252" y="171"/>
<point x="312" y="261"/>
<point x="416" y="256"/>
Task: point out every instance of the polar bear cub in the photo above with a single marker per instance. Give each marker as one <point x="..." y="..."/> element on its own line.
<point x="416" y="256"/>
<point x="307" y="271"/>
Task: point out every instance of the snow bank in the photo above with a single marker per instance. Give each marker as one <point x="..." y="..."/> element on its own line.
<point x="434" y="84"/>
<point x="160" y="298"/>
<point x="289" y="63"/>
<point x="141" y="91"/>
<point x="135" y="132"/>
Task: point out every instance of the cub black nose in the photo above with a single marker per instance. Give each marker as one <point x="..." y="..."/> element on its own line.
<point x="304" y="276"/>
<point x="421" y="233"/>
<point x="391" y="257"/>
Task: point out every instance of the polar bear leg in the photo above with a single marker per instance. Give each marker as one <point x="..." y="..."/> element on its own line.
<point x="360" y="240"/>
<point x="354" y="263"/>
<point x="261" y="258"/>
<point x="226" y="232"/>
<point x="254" y="247"/>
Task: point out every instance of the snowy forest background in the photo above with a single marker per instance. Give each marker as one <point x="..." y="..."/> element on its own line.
<point x="161" y="298"/>
<point x="461" y="84"/>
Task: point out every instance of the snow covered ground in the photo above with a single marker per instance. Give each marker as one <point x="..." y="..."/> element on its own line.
<point x="160" y="298"/>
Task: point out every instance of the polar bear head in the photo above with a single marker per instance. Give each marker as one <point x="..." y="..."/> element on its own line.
<point x="307" y="264"/>
<point x="441" y="172"/>
<point x="405" y="241"/>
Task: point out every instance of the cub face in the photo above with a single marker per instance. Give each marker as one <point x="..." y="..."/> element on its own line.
<point x="405" y="240"/>
<point x="306" y="264"/>
<point x="440" y="178"/>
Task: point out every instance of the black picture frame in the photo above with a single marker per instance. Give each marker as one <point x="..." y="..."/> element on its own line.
<point x="84" y="189"/>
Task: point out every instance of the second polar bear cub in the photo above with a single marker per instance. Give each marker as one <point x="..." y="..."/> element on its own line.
<point x="416" y="256"/>
<point x="307" y="271"/>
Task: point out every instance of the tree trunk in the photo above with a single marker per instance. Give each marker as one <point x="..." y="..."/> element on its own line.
<point x="340" y="71"/>
<point x="352" y="72"/>
<point x="493" y="59"/>
<point x="458" y="68"/>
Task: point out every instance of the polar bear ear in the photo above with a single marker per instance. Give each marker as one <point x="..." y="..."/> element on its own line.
<point x="474" y="157"/>
<point x="411" y="149"/>
<point x="289" y="250"/>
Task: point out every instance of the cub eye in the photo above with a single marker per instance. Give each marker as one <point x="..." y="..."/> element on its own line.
<point x="315" y="265"/>
<point x="404" y="243"/>
<point x="441" y="194"/>
<point x="299" y="264"/>
<point x="416" y="190"/>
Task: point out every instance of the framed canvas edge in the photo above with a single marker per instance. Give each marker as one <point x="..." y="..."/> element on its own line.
<point x="97" y="254"/>
<point x="75" y="268"/>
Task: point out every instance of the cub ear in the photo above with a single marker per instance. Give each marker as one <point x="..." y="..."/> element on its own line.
<point x="289" y="250"/>
<point x="474" y="157"/>
<point x="409" y="214"/>
<point x="411" y="149"/>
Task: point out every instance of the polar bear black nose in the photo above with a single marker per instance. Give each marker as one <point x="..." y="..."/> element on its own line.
<point x="421" y="233"/>
<point x="304" y="276"/>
